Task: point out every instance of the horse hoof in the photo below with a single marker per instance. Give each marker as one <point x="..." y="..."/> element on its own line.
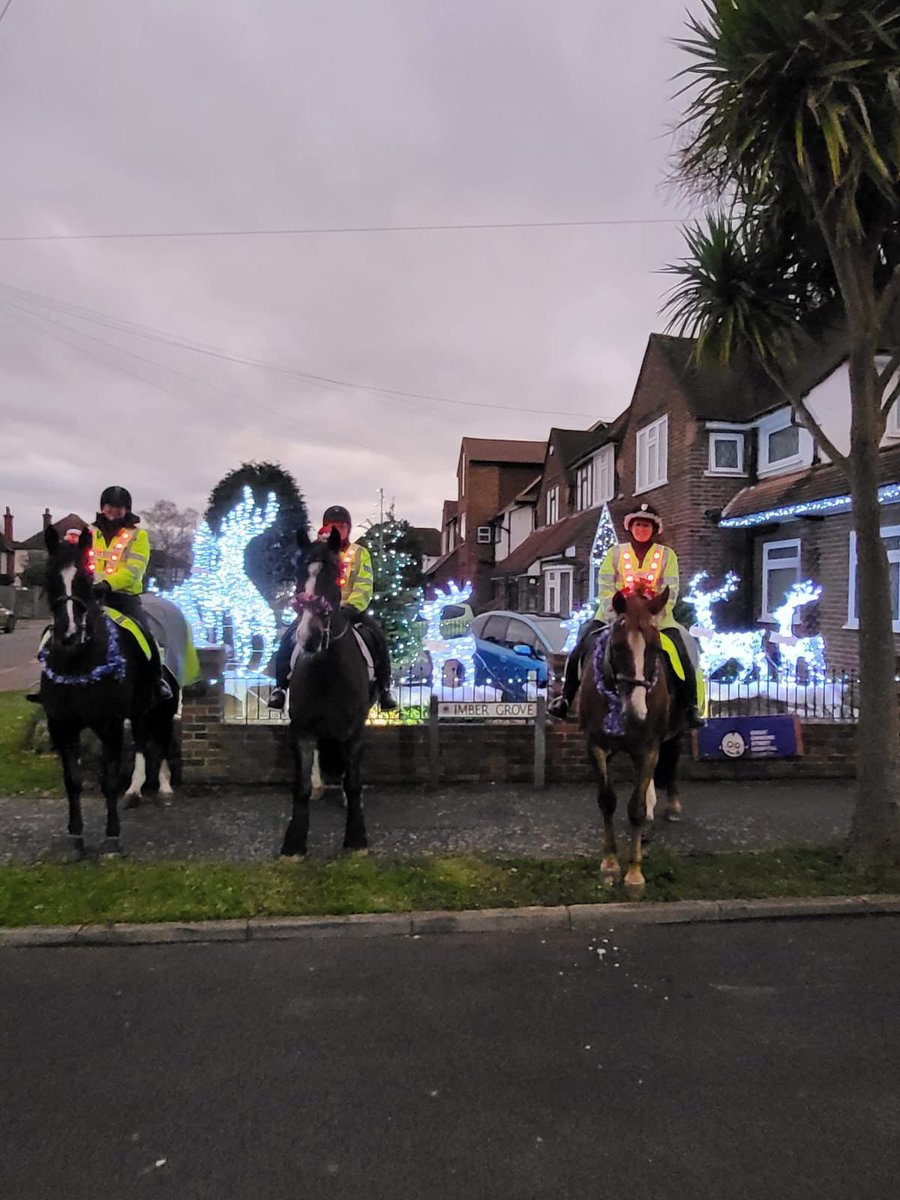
<point x="75" y="850"/>
<point x="672" y="815"/>
<point x="111" y="848"/>
<point x="609" y="882"/>
<point x="634" y="887"/>
<point x="317" y="792"/>
<point x="132" y="799"/>
<point x="291" y="855"/>
<point x="358" y="851"/>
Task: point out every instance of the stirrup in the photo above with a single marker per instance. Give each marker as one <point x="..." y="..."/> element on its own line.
<point x="276" y="700"/>
<point x="558" y="707"/>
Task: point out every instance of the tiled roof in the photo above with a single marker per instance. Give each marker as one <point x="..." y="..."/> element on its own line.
<point x="443" y="561"/>
<point x="548" y="542"/>
<point x="802" y="487"/>
<point x="36" y="541"/>
<point x="429" y="539"/>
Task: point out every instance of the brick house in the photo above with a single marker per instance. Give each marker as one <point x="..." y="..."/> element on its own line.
<point x="490" y="473"/>
<point x="33" y="549"/>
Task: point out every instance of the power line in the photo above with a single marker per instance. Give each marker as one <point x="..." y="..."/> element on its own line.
<point x="5" y="9"/>
<point x="317" y="230"/>
<point x="150" y="333"/>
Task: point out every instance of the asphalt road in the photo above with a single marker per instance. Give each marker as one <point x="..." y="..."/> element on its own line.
<point x="743" y="1061"/>
<point x="18" y="666"/>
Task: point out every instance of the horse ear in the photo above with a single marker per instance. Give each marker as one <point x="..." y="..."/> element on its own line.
<point x="303" y="539"/>
<point x="618" y="602"/>
<point x="658" y="603"/>
<point x="86" y="539"/>
<point x="334" y="539"/>
<point x="51" y="539"/>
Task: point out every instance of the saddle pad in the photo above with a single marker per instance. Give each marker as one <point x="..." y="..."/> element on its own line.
<point x="674" y="658"/>
<point x="130" y="626"/>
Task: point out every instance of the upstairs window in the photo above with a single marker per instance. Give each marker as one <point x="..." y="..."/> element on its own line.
<point x="552" y="506"/>
<point x="781" y="444"/>
<point x="652" y="455"/>
<point x="584" y="487"/>
<point x="604" y="475"/>
<point x="726" y="453"/>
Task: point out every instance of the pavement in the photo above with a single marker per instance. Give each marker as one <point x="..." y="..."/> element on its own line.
<point x="19" y="669"/>
<point x="686" y="1062"/>
<point x="497" y="820"/>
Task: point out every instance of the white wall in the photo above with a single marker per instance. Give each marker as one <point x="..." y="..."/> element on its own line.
<point x="518" y="525"/>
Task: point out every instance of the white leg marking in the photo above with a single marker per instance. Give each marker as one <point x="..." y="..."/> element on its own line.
<point x="165" y="779"/>
<point x="651" y="800"/>
<point x="318" y="784"/>
<point x="138" y="777"/>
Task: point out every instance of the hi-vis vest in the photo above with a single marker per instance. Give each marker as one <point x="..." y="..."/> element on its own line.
<point x="356" y="577"/>
<point x="122" y="562"/>
<point x="620" y="571"/>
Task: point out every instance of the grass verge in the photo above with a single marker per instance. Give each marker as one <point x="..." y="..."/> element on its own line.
<point x="22" y="772"/>
<point x="89" y="893"/>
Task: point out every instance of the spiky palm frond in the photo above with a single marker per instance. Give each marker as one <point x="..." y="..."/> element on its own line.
<point x="797" y="94"/>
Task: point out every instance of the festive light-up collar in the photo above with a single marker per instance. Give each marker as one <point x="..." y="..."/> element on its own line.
<point x="303" y="602"/>
<point x="113" y="665"/>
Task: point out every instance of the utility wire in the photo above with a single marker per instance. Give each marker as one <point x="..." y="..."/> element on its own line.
<point x="317" y="230"/>
<point x="5" y="9"/>
<point x="150" y="333"/>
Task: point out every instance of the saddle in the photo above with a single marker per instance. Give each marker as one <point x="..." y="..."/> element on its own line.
<point x="127" y="624"/>
<point x="674" y="664"/>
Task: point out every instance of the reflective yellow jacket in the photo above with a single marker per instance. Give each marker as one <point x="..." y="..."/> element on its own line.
<point x="357" y="582"/>
<point x="122" y="562"/>
<point x="620" y="569"/>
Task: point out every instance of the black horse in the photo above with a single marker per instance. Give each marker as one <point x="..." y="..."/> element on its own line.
<point x="627" y="703"/>
<point x="330" y="693"/>
<point x="94" y="677"/>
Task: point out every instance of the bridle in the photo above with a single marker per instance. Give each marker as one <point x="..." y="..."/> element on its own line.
<point x="78" y="605"/>
<point x="324" y="611"/>
<point x="613" y="678"/>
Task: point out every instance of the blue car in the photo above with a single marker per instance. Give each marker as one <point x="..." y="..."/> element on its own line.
<point x="514" y="650"/>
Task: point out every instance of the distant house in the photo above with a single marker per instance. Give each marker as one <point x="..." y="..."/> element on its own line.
<point x="34" y="549"/>
<point x="429" y="540"/>
<point x="490" y="473"/>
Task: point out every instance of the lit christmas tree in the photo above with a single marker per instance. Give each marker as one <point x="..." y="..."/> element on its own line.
<point x="397" y="593"/>
<point x="604" y="538"/>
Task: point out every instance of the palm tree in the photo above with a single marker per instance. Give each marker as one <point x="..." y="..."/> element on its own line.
<point x="792" y="128"/>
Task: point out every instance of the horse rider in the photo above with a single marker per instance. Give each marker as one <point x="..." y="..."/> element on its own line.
<point x="118" y="558"/>
<point x="646" y="564"/>
<point x="356" y="595"/>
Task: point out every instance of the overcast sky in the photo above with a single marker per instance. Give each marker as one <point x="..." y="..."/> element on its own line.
<point x="145" y="116"/>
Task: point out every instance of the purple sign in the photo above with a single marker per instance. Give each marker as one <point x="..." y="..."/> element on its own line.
<point x="749" y="737"/>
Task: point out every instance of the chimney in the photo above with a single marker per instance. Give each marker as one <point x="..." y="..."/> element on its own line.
<point x="8" y="525"/>
<point x="47" y="518"/>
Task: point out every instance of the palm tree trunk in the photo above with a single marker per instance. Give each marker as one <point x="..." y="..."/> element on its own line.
<point x="874" y="838"/>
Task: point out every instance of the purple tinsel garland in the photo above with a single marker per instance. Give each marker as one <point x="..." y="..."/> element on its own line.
<point x="614" y="721"/>
<point x="317" y="605"/>
<point x="114" y="665"/>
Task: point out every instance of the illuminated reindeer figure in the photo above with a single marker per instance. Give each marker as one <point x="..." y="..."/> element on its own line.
<point x="218" y="586"/>
<point x="441" y="649"/>
<point x="717" y="649"/>
<point x="793" y="650"/>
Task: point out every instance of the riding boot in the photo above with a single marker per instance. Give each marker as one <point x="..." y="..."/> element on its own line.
<point x="381" y="659"/>
<point x="160" y="692"/>
<point x="693" y="717"/>
<point x="278" y="695"/>
<point x="559" y="707"/>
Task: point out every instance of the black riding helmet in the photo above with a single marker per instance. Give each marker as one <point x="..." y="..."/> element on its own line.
<point x="118" y="497"/>
<point x="336" y="515"/>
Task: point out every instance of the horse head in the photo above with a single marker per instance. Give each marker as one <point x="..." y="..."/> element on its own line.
<point x="69" y="588"/>
<point x="318" y="596"/>
<point x="634" y="653"/>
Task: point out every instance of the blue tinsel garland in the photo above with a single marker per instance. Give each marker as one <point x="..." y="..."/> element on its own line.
<point x="614" y="721"/>
<point x="114" y="665"/>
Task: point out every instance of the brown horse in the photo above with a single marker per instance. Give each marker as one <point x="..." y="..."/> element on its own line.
<point x="627" y="703"/>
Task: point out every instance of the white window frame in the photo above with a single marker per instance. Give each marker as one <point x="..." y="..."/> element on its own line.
<point x="584" y="486"/>
<point x="769" y="426"/>
<point x="778" y="564"/>
<point x="604" y="476"/>
<point x="552" y="506"/>
<point x="893" y="556"/>
<point x="723" y="435"/>
<point x="553" y="589"/>
<point x="652" y="439"/>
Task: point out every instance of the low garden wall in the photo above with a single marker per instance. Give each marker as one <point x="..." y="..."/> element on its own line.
<point x="217" y="752"/>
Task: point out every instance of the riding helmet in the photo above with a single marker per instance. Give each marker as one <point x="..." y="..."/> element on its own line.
<point x="644" y="512"/>
<point x="118" y="497"/>
<point x="336" y="515"/>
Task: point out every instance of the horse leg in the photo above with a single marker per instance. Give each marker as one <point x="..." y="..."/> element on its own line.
<point x="297" y="832"/>
<point x="610" y="870"/>
<point x="644" y="766"/>
<point x="67" y="739"/>
<point x="139" y="773"/>
<point x="666" y="776"/>
<point x="355" y="829"/>
<point x="318" y="783"/>
<point x="112" y="737"/>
